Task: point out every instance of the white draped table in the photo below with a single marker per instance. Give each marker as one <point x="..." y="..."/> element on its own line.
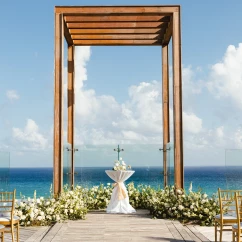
<point x="119" y="202"/>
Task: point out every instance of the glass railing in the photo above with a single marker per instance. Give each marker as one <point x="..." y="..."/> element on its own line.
<point x="91" y="161"/>
<point x="31" y="171"/>
<point x="233" y="168"/>
<point x="170" y="163"/>
<point x="67" y="165"/>
<point x="4" y="171"/>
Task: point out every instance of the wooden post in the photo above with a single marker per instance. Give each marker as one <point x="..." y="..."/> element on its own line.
<point x="177" y="100"/>
<point x="71" y="103"/>
<point x="165" y="102"/>
<point x="58" y="107"/>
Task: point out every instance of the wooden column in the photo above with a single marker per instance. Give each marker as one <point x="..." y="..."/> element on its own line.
<point x="165" y="105"/>
<point x="177" y="100"/>
<point x="71" y="103"/>
<point x="58" y="107"/>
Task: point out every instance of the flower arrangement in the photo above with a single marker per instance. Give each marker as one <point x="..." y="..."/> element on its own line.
<point x="162" y="203"/>
<point x="119" y="165"/>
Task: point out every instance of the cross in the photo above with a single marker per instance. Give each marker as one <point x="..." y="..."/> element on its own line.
<point x="118" y="150"/>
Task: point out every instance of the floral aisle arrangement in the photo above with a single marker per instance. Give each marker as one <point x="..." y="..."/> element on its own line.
<point x="119" y="165"/>
<point x="162" y="203"/>
<point x="44" y="211"/>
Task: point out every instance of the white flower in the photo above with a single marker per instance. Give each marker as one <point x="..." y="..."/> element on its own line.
<point x="180" y="207"/>
<point x="179" y="191"/>
<point x="206" y="210"/>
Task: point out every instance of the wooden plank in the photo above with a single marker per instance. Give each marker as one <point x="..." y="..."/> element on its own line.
<point x="165" y="109"/>
<point x="67" y="35"/>
<point x="117" y="18"/>
<point x="168" y="33"/>
<point x="197" y="233"/>
<point x="71" y="106"/>
<point x="117" y="42"/>
<point x="177" y="102"/>
<point x="116" y="25"/>
<point x="116" y="9"/>
<point x="177" y="236"/>
<point x="191" y="234"/>
<point x="186" y="235"/>
<point x="117" y="36"/>
<point x="58" y="107"/>
<point x="116" y="31"/>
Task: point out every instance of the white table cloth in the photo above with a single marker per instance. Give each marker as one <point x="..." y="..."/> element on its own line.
<point x="119" y="202"/>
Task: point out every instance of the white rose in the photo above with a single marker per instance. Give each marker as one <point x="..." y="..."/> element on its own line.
<point x="180" y="207"/>
<point x="206" y="210"/>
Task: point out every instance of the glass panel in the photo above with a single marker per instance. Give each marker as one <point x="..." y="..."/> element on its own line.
<point x="67" y="165"/>
<point x="233" y="168"/>
<point x="170" y="164"/>
<point x="147" y="162"/>
<point x="91" y="161"/>
<point x="4" y="170"/>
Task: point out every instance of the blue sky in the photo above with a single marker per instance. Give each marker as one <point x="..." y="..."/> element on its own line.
<point x="119" y="85"/>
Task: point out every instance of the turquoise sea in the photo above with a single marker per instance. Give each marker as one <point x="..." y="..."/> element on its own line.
<point x="209" y="179"/>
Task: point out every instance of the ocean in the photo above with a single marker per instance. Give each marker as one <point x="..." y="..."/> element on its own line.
<point x="209" y="179"/>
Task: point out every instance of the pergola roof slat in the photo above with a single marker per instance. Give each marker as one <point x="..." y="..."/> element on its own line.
<point x="117" y="18"/>
<point x="116" y="31"/>
<point x="97" y="25"/>
<point x="117" y="9"/>
<point x="117" y="36"/>
<point x="116" y="42"/>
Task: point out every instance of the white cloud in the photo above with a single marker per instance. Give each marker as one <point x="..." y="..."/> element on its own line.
<point x="192" y="123"/>
<point x="29" y="138"/>
<point x="226" y="76"/>
<point x="12" y="95"/>
<point x="101" y="119"/>
<point x="189" y="83"/>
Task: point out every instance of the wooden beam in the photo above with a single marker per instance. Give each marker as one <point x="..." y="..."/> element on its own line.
<point x="117" y="42"/>
<point x="116" y="9"/>
<point x="117" y="18"/>
<point x="177" y="101"/>
<point x="58" y="107"/>
<point x="71" y="106"/>
<point x="67" y="34"/>
<point x="116" y="36"/>
<point x="97" y="25"/>
<point x="168" y="33"/>
<point x="165" y="109"/>
<point x="116" y="31"/>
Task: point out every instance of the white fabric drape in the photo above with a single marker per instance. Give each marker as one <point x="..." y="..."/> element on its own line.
<point x="119" y="202"/>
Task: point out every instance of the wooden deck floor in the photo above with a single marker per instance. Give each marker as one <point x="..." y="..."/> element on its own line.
<point x="29" y="234"/>
<point x="100" y="226"/>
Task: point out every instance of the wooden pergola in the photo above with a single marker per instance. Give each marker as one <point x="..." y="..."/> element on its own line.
<point x="119" y="26"/>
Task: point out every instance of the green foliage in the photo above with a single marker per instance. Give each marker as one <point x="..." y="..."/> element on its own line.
<point x="162" y="203"/>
